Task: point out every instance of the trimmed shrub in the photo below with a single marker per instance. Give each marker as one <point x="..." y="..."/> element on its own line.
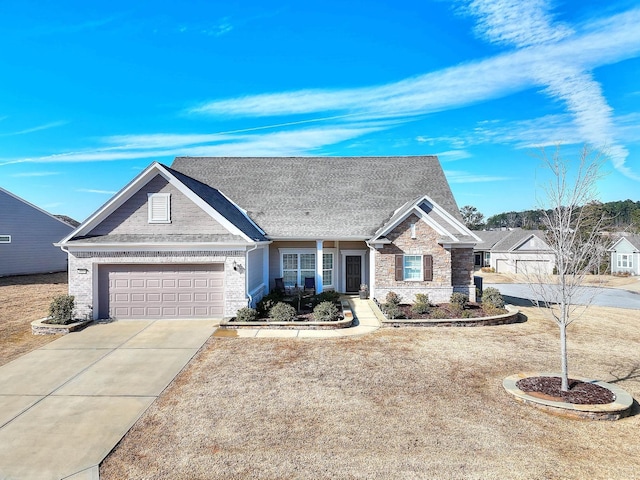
<point x="439" y="313"/>
<point x="246" y="314"/>
<point x="488" y="270"/>
<point x="392" y="311"/>
<point x="61" y="309"/>
<point x="491" y="297"/>
<point x="326" y="296"/>
<point x="393" y="298"/>
<point x="458" y="300"/>
<point x="325" y="312"/>
<point x="283" y="312"/>
<point x="421" y="305"/>
<point x="268" y="302"/>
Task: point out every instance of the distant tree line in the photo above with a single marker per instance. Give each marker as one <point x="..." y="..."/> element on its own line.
<point x="619" y="215"/>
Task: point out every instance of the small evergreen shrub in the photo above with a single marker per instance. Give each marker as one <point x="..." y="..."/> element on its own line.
<point x="439" y="313"/>
<point x="393" y="298"/>
<point x="491" y="297"/>
<point x="458" y="300"/>
<point x="392" y="311"/>
<point x="326" y="296"/>
<point x="61" y="309"/>
<point x="325" y="312"/>
<point x="246" y="314"/>
<point x="421" y="305"/>
<point x="268" y="302"/>
<point x="283" y="312"/>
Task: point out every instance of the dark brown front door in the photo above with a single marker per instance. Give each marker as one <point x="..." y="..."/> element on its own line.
<point x="354" y="273"/>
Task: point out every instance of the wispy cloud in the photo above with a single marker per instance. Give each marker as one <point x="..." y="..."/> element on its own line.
<point x="451" y="155"/>
<point x="457" y="176"/>
<point x="38" y="128"/>
<point x="548" y="55"/>
<point x="522" y="24"/>
<point x="298" y="142"/>
<point x="513" y="22"/>
<point x="92" y="190"/>
<point x="221" y="27"/>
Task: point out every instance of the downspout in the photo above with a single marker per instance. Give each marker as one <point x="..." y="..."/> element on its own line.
<point x="246" y="274"/>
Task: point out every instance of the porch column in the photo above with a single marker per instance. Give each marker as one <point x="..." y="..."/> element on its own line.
<point x="319" y="266"/>
<point x="372" y="272"/>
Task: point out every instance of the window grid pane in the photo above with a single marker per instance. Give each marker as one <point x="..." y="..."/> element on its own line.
<point x="290" y="261"/>
<point x="308" y="261"/>
<point x="413" y="267"/>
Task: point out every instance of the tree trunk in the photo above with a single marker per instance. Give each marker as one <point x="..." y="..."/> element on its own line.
<point x="563" y="356"/>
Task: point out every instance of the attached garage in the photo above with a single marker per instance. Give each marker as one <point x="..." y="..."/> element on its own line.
<point x="161" y="291"/>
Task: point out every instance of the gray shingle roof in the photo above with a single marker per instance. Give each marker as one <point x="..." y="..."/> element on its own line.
<point x="221" y="204"/>
<point x="504" y="240"/>
<point x="322" y="197"/>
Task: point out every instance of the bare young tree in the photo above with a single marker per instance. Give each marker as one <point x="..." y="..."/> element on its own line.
<point x="573" y="233"/>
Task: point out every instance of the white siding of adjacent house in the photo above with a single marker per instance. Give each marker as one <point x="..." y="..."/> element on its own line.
<point x="624" y="247"/>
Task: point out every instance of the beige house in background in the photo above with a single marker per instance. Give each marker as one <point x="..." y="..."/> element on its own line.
<point x="514" y="251"/>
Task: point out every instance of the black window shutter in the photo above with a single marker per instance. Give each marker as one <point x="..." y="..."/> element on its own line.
<point x="399" y="268"/>
<point x="427" y="267"/>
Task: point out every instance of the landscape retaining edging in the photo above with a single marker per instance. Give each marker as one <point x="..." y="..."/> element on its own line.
<point x="38" y="327"/>
<point x="346" y="322"/>
<point x="619" y="408"/>
<point x="511" y="316"/>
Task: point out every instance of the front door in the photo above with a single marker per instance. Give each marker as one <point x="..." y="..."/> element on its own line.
<point x="354" y="273"/>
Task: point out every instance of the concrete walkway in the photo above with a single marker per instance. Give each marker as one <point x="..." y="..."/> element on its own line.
<point x="366" y="322"/>
<point x="64" y="406"/>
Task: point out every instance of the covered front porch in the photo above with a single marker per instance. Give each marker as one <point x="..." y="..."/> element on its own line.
<point x="340" y="265"/>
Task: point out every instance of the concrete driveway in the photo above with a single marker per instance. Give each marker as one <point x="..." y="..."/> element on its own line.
<point x="520" y="293"/>
<point x="64" y="406"/>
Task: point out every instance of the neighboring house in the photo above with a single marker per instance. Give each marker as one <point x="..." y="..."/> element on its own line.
<point x="625" y="255"/>
<point x="514" y="251"/>
<point x="27" y="237"/>
<point x="208" y="236"/>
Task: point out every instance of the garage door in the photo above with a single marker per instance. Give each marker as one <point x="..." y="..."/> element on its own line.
<point x="161" y="291"/>
<point x="534" y="267"/>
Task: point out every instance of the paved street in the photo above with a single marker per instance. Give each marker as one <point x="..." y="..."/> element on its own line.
<point x="520" y="294"/>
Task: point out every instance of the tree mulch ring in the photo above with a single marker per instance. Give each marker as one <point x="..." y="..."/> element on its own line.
<point x="549" y="388"/>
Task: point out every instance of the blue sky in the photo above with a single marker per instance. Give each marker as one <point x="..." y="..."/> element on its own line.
<point x="93" y="92"/>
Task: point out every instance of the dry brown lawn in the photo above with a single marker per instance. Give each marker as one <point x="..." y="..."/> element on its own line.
<point x="399" y="403"/>
<point x="23" y="299"/>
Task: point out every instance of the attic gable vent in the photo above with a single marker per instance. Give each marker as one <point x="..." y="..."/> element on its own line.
<point x="159" y="207"/>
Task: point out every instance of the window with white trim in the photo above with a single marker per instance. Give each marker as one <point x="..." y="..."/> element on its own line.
<point x="625" y="260"/>
<point x="327" y="269"/>
<point x="412" y="267"/>
<point x="297" y="266"/>
<point x="159" y="207"/>
<point x="5" y="238"/>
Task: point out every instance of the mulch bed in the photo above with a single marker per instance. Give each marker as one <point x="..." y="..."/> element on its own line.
<point x="582" y="393"/>
<point x="446" y="310"/>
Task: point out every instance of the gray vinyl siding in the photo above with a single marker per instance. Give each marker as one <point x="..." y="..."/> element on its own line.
<point x="132" y="217"/>
<point x="33" y="233"/>
<point x="256" y="268"/>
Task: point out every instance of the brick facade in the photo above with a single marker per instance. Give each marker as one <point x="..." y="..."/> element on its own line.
<point x="452" y="268"/>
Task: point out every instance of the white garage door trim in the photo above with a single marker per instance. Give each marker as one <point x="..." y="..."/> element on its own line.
<point x="154" y="291"/>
